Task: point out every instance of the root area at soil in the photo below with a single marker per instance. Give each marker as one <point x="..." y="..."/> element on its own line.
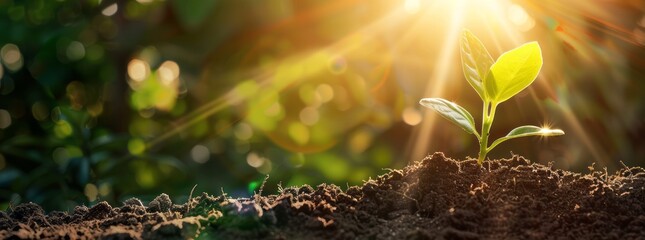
<point x="434" y="198"/>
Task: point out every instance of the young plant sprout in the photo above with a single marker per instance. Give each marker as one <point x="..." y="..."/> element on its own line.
<point x="494" y="82"/>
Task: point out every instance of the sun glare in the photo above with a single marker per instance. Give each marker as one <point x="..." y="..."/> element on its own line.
<point x="546" y="131"/>
<point x="295" y="96"/>
<point x="500" y="19"/>
<point x="445" y="19"/>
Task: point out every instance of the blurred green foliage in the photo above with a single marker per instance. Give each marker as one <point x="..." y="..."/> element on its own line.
<point x="97" y="84"/>
<point x="105" y="100"/>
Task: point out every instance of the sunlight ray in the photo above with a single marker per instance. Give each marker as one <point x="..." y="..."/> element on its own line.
<point x="593" y="147"/>
<point x="221" y="103"/>
<point x="438" y="80"/>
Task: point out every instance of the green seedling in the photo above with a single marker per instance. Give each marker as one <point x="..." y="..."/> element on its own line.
<point x="494" y="82"/>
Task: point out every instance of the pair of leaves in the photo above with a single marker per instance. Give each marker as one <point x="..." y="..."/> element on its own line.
<point x="500" y="80"/>
<point x="458" y="115"/>
<point x="453" y="112"/>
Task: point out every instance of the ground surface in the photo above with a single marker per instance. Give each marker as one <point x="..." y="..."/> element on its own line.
<point x="434" y="198"/>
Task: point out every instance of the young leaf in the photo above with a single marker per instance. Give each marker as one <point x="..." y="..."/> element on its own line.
<point x="452" y="112"/>
<point x="513" y="71"/>
<point x="475" y="61"/>
<point x="526" y="131"/>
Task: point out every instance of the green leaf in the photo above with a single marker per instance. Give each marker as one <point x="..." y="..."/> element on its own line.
<point x="452" y="112"/>
<point x="526" y="131"/>
<point x="475" y="61"/>
<point x="529" y="130"/>
<point x="513" y="72"/>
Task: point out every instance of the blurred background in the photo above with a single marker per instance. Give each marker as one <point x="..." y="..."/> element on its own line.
<point x="106" y="100"/>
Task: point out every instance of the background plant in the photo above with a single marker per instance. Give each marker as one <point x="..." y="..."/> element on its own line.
<point x="308" y="91"/>
<point x="494" y="82"/>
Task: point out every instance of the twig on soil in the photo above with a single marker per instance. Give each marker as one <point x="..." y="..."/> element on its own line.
<point x="280" y="188"/>
<point x="606" y="175"/>
<point x="625" y="169"/>
<point x="369" y="179"/>
<point x="14" y="201"/>
<point x="264" y="182"/>
<point x="190" y="197"/>
<point x="223" y="194"/>
<point x="191" y="192"/>
<point x="259" y="194"/>
<point x="624" y="165"/>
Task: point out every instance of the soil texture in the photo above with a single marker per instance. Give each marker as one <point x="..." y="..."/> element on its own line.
<point x="436" y="198"/>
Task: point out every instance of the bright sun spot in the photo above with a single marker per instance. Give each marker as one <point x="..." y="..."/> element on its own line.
<point x="546" y="130"/>
<point x="412" y="6"/>
<point x="476" y="13"/>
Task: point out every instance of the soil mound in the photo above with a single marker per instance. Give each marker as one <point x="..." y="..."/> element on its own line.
<point x="435" y="198"/>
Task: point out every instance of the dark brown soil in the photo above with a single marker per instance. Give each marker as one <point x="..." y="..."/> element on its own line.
<point x="435" y="198"/>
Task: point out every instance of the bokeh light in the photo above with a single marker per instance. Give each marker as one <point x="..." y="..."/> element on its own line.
<point x="200" y="154"/>
<point x="91" y="192"/>
<point x="254" y="160"/>
<point x="40" y="111"/>
<point x="63" y="129"/>
<point x="110" y="10"/>
<point x="136" y="146"/>
<point x="411" y="116"/>
<point x="5" y="119"/>
<point x="309" y="116"/>
<point x="11" y="57"/>
<point x="138" y="70"/>
<point x="243" y="131"/>
<point x="75" y="51"/>
<point x="168" y="72"/>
